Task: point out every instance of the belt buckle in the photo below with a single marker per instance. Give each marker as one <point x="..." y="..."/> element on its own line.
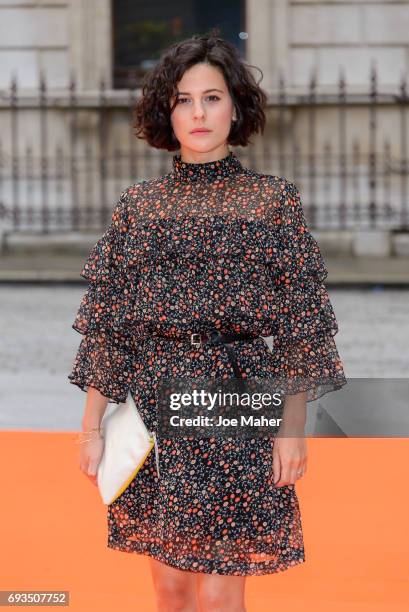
<point x="198" y="342"/>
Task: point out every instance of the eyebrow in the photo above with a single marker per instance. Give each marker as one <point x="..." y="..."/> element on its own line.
<point x="186" y="93"/>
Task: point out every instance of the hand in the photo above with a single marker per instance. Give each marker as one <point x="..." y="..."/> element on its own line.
<point x="289" y="458"/>
<point x="90" y="457"/>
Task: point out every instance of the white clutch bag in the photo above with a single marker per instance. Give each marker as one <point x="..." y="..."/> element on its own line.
<point x="127" y="443"/>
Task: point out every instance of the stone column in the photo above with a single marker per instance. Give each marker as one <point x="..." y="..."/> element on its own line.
<point x="90" y="25"/>
<point x="267" y="44"/>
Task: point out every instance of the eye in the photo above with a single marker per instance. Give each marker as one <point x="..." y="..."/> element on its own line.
<point x="212" y="97"/>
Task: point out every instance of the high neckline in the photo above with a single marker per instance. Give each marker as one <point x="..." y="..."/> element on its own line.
<point x="207" y="171"/>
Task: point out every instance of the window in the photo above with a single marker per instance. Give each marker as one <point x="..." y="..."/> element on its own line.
<point x="142" y="29"/>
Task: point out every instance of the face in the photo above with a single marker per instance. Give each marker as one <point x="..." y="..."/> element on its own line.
<point x="203" y="101"/>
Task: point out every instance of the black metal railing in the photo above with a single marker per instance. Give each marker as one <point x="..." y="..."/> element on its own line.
<point x="65" y="155"/>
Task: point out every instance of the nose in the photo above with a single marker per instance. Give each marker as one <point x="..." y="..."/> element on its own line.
<point x="198" y="110"/>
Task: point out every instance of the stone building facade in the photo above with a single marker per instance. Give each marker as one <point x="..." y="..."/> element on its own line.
<point x="290" y="38"/>
<point x="292" y="35"/>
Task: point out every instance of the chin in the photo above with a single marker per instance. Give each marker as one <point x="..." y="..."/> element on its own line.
<point x="204" y="146"/>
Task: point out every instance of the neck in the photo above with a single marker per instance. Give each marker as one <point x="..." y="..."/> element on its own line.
<point x="200" y="157"/>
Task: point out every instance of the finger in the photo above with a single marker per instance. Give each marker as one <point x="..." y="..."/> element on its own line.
<point x="299" y="472"/>
<point x="285" y="473"/>
<point x="92" y="467"/>
<point x="85" y="466"/>
<point x="282" y="483"/>
<point x="93" y="471"/>
<point x="288" y="474"/>
<point x="303" y="467"/>
<point x="293" y="473"/>
<point x="276" y="467"/>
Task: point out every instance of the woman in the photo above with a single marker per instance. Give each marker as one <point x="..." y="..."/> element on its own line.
<point x="211" y="250"/>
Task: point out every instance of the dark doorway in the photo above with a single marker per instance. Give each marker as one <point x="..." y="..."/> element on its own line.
<point x="143" y="28"/>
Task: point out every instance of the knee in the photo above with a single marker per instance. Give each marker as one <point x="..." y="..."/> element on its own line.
<point x="215" y="599"/>
<point x="173" y="596"/>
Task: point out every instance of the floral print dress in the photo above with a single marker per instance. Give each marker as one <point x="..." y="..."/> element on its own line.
<point x="210" y="245"/>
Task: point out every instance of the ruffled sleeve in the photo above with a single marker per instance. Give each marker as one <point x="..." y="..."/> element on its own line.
<point x="304" y="351"/>
<point x="105" y="314"/>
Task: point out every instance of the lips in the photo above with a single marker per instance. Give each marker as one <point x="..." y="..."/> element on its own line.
<point x="199" y="131"/>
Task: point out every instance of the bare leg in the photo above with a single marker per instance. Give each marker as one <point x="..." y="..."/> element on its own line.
<point x="218" y="593"/>
<point x="175" y="589"/>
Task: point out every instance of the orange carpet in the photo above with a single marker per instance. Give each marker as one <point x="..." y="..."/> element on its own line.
<point x="354" y="505"/>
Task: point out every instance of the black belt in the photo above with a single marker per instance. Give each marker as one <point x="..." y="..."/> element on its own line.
<point x="215" y="338"/>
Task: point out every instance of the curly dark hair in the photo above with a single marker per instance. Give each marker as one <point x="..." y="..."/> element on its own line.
<point x="152" y="110"/>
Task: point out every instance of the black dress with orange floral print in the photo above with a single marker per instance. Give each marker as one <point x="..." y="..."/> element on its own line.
<point x="210" y="245"/>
